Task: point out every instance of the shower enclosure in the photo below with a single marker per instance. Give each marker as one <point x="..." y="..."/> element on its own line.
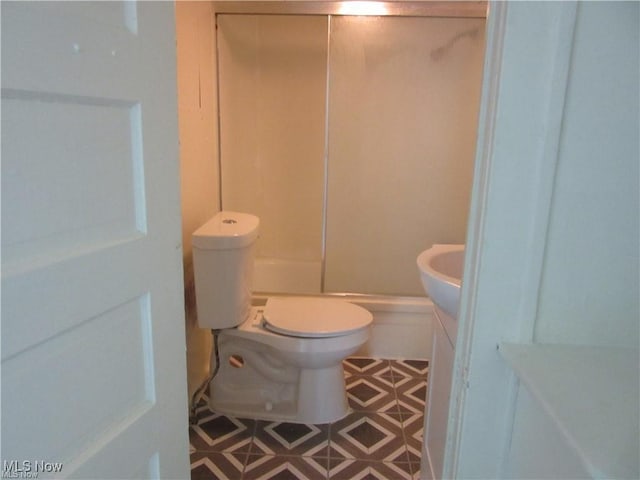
<point x="351" y="136"/>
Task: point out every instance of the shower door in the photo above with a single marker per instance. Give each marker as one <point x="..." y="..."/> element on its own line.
<point x="403" y="101"/>
<point x="272" y="77"/>
<point x="352" y="138"/>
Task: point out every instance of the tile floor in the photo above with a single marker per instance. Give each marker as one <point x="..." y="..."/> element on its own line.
<point x="381" y="438"/>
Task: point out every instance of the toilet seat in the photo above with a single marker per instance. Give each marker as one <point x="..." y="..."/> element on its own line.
<point x="314" y="317"/>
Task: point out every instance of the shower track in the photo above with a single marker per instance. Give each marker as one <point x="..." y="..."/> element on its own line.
<point x="459" y="9"/>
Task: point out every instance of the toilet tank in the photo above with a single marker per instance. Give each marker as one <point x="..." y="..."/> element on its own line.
<point x="223" y="266"/>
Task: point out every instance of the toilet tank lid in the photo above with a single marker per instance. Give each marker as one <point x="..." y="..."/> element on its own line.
<point x="226" y="230"/>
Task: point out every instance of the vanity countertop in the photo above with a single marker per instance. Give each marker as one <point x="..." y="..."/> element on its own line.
<point x="592" y="394"/>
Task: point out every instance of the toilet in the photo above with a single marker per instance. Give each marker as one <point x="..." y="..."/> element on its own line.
<point x="281" y="361"/>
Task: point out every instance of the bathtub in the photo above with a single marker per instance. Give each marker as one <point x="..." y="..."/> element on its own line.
<point x="402" y="326"/>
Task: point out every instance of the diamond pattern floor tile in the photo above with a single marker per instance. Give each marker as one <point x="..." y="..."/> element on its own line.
<point x="272" y="467"/>
<point x="413" y="426"/>
<point x="217" y="466"/>
<point x="368" y="436"/>
<point x="380" y="439"/>
<point x="411" y="394"/>
<point x="371" y="394"/>
<point x="222" y="433"/>
<point x="367" y="366"/>
<point x="409" y="368"/>
<point x="284" y="438"/>
<point x="348" y="469"/>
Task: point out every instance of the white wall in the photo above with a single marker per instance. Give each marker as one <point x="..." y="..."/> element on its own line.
<point x="589" y="293"/>
<point x="198" y="156"/>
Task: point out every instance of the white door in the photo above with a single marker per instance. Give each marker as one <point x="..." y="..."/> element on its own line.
<point x="93" y="348"/>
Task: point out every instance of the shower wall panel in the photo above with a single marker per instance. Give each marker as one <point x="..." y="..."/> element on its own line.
<point x="403" y="105"/>
<point x="272" y="74"/>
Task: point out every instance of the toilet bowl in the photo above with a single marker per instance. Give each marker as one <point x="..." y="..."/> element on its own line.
<point x="286" y="376"/>
<point x="282" y="361"/>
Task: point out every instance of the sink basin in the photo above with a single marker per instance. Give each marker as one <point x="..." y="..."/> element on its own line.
<point x="441" y="274"/>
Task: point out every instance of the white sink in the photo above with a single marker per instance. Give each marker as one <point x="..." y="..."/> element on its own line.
<point x="441" y="274"/>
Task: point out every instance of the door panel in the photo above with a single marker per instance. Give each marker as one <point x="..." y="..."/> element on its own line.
<point x="93" y="352"/>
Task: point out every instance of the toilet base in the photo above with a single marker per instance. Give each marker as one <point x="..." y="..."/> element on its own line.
<point x="252" y="382"/>
<point x="322" y="396"/>
<point x="314" y="404"/>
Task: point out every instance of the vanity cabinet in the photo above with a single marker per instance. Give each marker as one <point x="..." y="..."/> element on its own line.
<point x="435" y="422"/>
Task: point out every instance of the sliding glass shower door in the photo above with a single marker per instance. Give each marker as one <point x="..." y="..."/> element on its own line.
<point x="272" y="81"/>
<point x="403" y="100"/>
<point x="352" y="138"/>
